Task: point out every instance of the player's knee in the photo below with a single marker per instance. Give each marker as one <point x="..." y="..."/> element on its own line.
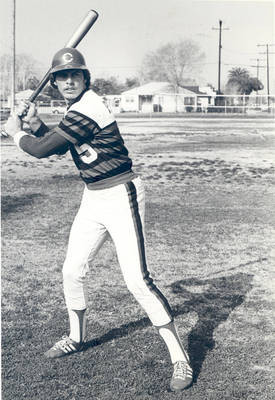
<point x="136" y="286"/>
<point x="69" y="275"/>
<point x="73" y="271"/>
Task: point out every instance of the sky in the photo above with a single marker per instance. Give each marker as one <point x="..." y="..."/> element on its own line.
<point x="127" y="30"/>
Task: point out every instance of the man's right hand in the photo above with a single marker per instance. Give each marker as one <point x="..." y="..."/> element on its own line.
<point x="26" y="111"/>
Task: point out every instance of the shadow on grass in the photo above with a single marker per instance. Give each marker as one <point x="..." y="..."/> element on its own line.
<point x="212" y="299"/>
<point x="13" y="204"/>
<point x="123" y="330"/>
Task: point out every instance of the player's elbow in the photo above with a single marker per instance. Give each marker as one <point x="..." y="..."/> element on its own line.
<point x="37" y="153"/>
<point x="34" y="147"/>
<point x="40" y="155"/>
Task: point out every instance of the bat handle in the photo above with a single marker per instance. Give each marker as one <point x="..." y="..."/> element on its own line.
<point x="42" y="84"/>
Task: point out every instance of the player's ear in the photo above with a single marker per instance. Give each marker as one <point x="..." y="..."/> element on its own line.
<point x="52" y="81"/>
<point x="87" y="78"/>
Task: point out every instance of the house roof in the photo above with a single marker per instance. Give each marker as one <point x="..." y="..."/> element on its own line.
<point x="194" y="89"/>
<point x="153" y="88"/>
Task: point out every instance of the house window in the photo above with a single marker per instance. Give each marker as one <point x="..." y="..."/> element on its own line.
<point x="189" y="101"/>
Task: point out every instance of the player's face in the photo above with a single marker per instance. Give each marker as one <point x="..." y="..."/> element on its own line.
<point x="70" y="83"/>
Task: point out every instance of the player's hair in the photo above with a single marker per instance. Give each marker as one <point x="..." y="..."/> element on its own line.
<point x="87" y="79"/>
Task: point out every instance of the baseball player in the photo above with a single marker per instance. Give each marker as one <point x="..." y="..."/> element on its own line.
<point x="112" y="204"/>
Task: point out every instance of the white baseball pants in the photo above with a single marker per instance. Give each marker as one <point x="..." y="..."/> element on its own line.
<point x="118" y="211"/>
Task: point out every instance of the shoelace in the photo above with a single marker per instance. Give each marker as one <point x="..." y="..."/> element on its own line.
<point x="62" y="343"/>
<point x="182" y="370"/>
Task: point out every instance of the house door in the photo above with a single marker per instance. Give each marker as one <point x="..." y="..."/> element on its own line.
<point x="146" y="103"/>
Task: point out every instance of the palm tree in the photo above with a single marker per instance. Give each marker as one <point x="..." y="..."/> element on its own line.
<point x="241" y="82"/>
<point x="238" y="77"/>
<point x="238" y="73"/>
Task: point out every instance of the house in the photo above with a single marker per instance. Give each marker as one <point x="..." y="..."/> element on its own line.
<point x="162" y="96"/>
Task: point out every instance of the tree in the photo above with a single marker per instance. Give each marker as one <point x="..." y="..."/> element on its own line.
<point x="240" y="82"/>
<point x="27" y="72"/>
<point x="107" y="86"/>
<point x="131" y="83"/>
<point x="112" y="86"/>
<point x="177" y="63"/>
<point x="32" y="83"/>
<point x="255" y="84"/>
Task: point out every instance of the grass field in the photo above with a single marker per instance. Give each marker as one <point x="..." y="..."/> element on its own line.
<point x="210" y="221"/>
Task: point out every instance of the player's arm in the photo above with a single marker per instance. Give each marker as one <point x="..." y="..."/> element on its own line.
<point x="74" y="129"/>
<point x="39" y="147"/>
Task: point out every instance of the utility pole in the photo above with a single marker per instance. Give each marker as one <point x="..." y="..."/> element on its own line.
<point x="220" y="51"/>
<point x="13" y="61"/>
<point x="267" y="68"/>
<point x="258" y="66"/>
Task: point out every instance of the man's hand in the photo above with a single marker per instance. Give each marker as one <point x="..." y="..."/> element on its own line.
<point x="26" y="110"/>
<point x="13" y="125"/>
<point x="28" y="113"/>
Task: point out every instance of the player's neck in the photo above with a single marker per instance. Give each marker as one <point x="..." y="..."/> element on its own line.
<point x="69" y="102"/>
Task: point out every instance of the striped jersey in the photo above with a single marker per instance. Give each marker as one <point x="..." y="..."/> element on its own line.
<point x="97" y="147"/>
<point x="91" y="134"/>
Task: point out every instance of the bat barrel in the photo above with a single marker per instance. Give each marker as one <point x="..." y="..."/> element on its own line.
<point x="83" y="28"/>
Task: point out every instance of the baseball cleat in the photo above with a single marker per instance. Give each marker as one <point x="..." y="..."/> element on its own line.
<point x="64" y="347"/>
<point x="182" y="376"/>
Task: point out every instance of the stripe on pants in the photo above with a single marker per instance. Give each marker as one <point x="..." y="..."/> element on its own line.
<point x="132" y="195"/>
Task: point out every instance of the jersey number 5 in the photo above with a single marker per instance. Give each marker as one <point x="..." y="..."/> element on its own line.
<point x="86" y="153"/>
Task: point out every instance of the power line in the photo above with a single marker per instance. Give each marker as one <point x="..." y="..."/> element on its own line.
<point x="238" y="52"/>
<point x="246" y="65"/>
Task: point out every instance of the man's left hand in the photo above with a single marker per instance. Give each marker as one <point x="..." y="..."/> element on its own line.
<point x="13" y="125"/>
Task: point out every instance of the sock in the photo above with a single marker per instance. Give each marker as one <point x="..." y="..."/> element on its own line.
<point x="171" y="338"/>
<point x="78" y="323"/>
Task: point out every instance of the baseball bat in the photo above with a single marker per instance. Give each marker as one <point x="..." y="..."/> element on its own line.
<point x="78" y="35"/>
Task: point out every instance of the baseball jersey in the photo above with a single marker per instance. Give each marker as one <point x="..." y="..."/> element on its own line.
<point x="91" y="134"/>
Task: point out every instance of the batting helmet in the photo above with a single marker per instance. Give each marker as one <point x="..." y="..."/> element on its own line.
<point x="68" y="58"/>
